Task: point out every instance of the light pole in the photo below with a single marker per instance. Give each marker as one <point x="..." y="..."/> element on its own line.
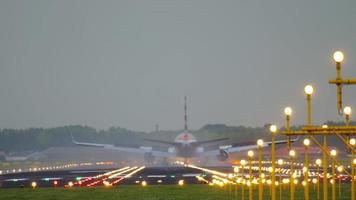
<point x="273" y="130"/>
<point x="308" y="89"/>
<point x="280" y="163"/>
<point x="243" y="163"/>
<point x="288" y="112"/>
<point x="339" y="57"/>
<point x="352" y="143"/>
<point x="260" y="186"/>
<point x="340" y="169"/>
<point x="333" y="154"/>
<point x="318" y="164"/>
<point x="306" y="175"/>
<point x="250" y="155"/>
<point x="325" y="166"/>
<point x="292" y="156"/>
<point x="236" y="171"/>
<point x="347" y="112"/>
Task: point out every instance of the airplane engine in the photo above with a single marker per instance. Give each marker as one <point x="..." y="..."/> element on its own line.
<point x="149" y="157"/>
<point x="223" y="155"/>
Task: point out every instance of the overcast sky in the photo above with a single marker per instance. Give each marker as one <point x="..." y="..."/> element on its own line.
<point x="130" y="63"/>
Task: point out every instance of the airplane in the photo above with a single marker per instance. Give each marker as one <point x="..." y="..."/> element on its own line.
<point x="185" y="145"/>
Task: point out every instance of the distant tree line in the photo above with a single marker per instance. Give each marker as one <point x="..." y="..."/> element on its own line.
<point x="37" y="139"/>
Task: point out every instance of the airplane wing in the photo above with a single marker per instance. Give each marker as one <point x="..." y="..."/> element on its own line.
<point x="210" y="141"/>
<point x="243" y="147"/>
<point x="161" y="142"/>
<point x="140" y="150"/>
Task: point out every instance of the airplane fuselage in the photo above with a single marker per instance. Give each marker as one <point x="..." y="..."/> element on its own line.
<point x="185" y="145"/>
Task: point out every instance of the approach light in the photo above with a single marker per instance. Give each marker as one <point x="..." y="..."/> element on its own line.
<point x="273" y="128"/>
<point x="260" y="143"/>
<point x="309" y="90"/>
<point x="280" y="162"/>
<point x="340" y="168"/>
<point x="306" y="142"/>
<point x="333" y="153"/>
<point x="318" y="162"/>
<point x="288" y="111"/>
<point x="250" y="153"/>
<point x="292" y="153"/>
<point x="347" y="110"/>
<point x="338" y="56"/>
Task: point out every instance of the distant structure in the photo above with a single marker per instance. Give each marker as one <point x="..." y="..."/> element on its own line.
<point x="185" y="114"/>
<point x="157" y="128"/>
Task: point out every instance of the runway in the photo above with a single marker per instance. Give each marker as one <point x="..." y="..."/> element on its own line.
<point x="105" y="177"/>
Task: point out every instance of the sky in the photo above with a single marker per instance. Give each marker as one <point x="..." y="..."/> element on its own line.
<point x="130" y="63"/>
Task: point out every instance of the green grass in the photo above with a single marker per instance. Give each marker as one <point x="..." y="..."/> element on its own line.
<point x="158" y="192"/>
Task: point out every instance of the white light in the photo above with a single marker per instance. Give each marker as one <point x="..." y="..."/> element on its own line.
<point x="318" y="162"/>
<point x="333" y="152"/>
<point x="308" y="89"/>
<point x="288" y="111"/>
<point x="260" y="142"/>
<point x="347" y="110"/>
<point x="273" y="128"/>
<point x="250" y="153"/>
<point x="340" y="168"/>
<point x="280" y="162"/>
<point x="181" y="182"/>
<point x="338" y="56"/>
<point x="306" y="142"/>
<point x="70" y="184"/>
<point x="144" y="183"/>
<point x="292" y="153"/>
<point x="352" y="141"/>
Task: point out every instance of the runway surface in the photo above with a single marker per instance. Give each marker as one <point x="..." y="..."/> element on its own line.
<point x="100" y="177"/>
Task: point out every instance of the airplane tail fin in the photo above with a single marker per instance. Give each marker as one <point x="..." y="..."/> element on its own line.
<point x="185" y="114"/>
